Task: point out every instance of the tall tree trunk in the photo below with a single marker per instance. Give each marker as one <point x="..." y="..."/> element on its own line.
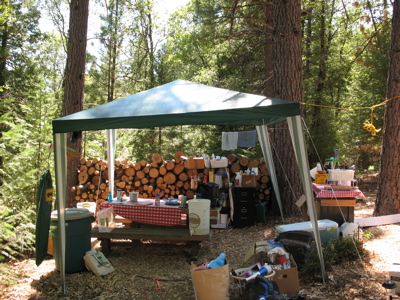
<point x="321" y="69"/>
<point x="288" y="82"/>
<point x="268" y="54"/>
<point x="3" y="64"/>
<point x="113" y="50"/>
<point x="74" y="80"/>
<point x="387" y="200"/>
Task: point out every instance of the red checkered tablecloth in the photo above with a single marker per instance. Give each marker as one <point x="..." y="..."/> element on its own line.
<point x="321" y="192"/>
<point x="148" y="214"/>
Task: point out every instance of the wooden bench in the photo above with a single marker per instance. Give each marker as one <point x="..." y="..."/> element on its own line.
<point x="154" y="234"/>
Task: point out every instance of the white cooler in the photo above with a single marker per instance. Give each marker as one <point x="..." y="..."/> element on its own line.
<point x="328" y="229"/>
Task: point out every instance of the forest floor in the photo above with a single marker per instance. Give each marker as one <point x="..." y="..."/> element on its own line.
<point x="159" y="271"/>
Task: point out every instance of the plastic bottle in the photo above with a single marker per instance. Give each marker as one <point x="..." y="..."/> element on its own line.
<point x="211" y="176"/>
<point x="192" y="186"/>
<point x="109" y="199"/>
<point x="263" y="271"/>
<point x="205" y="179"/>
<point x="336" y="153"/>
<point x="157" y="199"/>
<point x="238" y="179"/>
<point x="119" y="195"/>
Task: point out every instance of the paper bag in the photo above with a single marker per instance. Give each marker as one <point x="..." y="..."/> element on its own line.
<point x="96" y="262"/>
<point x="106" y="219"/>
<point x="211" y="284"/>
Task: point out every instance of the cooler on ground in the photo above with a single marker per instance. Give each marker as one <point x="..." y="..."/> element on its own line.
<point x="328" y="229"/>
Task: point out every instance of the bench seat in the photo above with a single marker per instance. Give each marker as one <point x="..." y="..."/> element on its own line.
<point x="154" y="234"/>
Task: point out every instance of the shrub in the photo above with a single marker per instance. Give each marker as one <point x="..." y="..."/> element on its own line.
<point x="17" y="233"/>
<point x="335" y="252"/>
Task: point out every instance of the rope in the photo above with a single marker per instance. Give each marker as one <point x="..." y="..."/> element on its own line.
<point x="312" y="141"/>
<point x="283" y="169"/>
<point x="367" y="125"/>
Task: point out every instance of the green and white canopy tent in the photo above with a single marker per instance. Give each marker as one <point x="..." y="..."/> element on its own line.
<point x="184" y="103"/>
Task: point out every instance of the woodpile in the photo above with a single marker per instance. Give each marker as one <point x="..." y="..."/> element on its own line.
<point x="167" y="178"/>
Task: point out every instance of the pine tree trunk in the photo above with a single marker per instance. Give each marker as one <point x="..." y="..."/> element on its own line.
<point x="387" y="200"/>
<point x="74" y="80"/>
<point x="287" y="85"/>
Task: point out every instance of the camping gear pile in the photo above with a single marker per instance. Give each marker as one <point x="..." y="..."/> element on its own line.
<point x="272" y="273"/>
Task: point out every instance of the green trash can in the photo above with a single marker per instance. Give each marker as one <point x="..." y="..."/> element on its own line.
<point x="77" y="238"/>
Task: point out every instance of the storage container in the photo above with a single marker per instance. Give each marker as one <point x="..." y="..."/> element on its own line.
<point x="220" y="163"/>
<point x="321" y="178"/>
<point x="339" y="175"/>
<point x="328" y="229"/>
<point x="199" y="216"/>
<point x="77" y="238"/>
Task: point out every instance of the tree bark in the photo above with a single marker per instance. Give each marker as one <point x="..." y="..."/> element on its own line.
<point x="74" y="80"/>
<point x="288" y="82"/>
<point x="387" y="200"/>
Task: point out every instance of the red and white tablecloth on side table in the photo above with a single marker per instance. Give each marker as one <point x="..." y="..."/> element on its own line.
<point x="149" y="214"/>
<point x="321" y="192"/>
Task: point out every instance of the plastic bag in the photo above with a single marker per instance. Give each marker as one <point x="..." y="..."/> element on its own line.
<point x="106" y="219"/>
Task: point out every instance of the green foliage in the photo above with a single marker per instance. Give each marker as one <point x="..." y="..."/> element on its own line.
<point x="7" y="275"/>
<point x="345" y="67"/>
<point x="335" y="252"/>
<point x="17" y="233"/>
<point x="368" y="235"/>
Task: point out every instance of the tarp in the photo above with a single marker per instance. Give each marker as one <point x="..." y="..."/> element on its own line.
<point x="186" y="103"/>
<point x="180" y="103"/>
<point x="44" y="204"/>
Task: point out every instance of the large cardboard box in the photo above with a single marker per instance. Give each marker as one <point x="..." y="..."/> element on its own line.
<point x="249" y="181"/>
<point x="287" y="279"/>
<point x="194" y="163"/>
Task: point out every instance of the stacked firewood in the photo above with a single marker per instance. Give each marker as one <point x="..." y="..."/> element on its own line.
<point x="167" y="178"/>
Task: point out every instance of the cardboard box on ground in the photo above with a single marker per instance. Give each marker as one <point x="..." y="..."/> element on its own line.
<point x="286" y="279"/>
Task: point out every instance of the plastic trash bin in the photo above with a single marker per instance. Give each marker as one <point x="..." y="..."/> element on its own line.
<point x="77" y="238"/>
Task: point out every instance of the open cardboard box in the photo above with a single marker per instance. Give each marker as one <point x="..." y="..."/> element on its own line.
<point x="194" y="163"/>
<point x="287" y="279"/>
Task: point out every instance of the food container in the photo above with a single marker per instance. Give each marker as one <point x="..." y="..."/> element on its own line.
<point x="340" y="175"/>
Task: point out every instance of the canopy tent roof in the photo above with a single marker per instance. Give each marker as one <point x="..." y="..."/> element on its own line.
<point x="180" y="103"/>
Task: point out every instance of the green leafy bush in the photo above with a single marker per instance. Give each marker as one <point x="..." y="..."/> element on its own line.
<point x="17" y="233"/>
<point x="335" y="252"/>
<point x="7" y="275"/>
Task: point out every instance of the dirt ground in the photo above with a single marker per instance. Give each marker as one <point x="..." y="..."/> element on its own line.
<point x="159" y="271"/>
